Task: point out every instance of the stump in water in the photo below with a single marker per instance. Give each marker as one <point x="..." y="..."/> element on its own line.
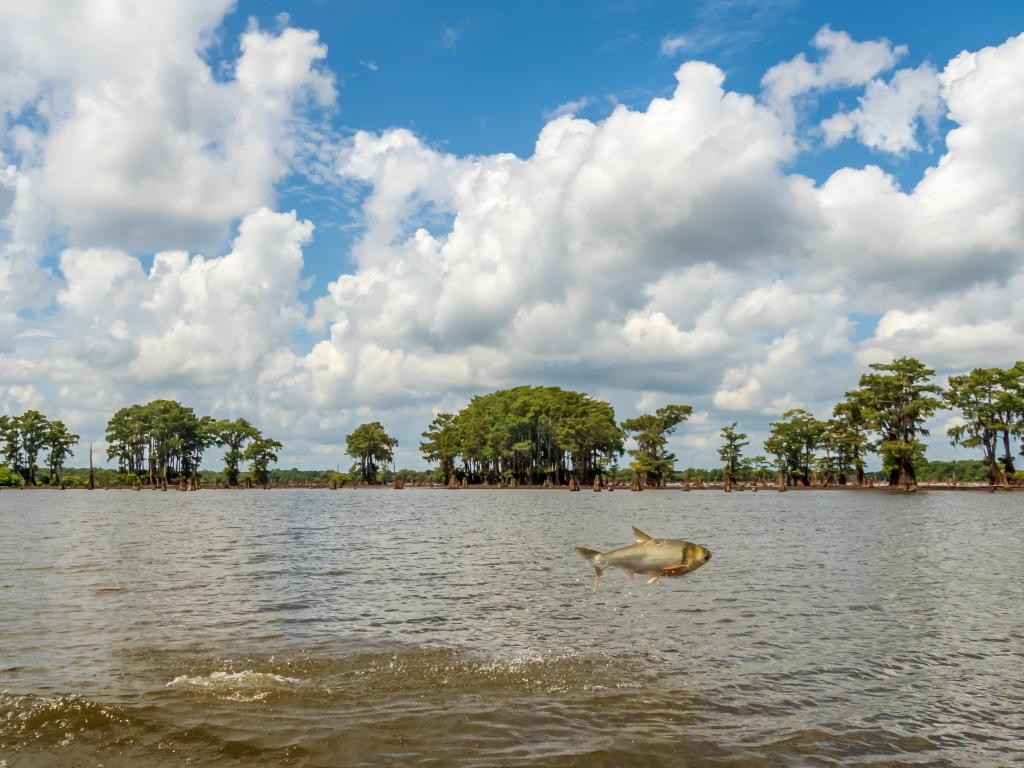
<point x="634" y="484"/>
<point x="334" y="484"/>
<point x="597" y="483"/>
<point x="574" y="484"/>
<point x="453" y="483"/>
<point x="782" y="482"/>
<point x="399" y="483"/>
<point x="611" y="485"/>
<point x="547" y="483"/>
<point x="952" y="480"/>
<point x="465" y="482"/>
<point x="727" y="484"/>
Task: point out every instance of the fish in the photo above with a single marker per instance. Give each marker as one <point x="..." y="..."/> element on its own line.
<point x="648" y="556"/>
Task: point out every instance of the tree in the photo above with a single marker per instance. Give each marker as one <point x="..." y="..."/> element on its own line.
<point x="650" y="433"/>
<point x="60" y="443"/>
<point x="525" y="435"/>
<point x="24" y="437"/>
<point x="896" y="400"/>
<point x="10" y="436"/>
<point x="985" y="399"/>
<point x="371" y="446"/>
<point x="441" y="445"/>
<point x="161" y="439"/>
<point x="731" y="450"/>
<point x="1010" y="409"/>
<point x="260" y="452"/>
<point x="794" y="442"/>
<point x="233" y="434"/>
<point x="845" y="443"/>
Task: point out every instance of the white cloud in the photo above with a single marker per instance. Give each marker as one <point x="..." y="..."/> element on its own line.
<point x="672" y="44"/>
<point x="140" y="145"/>
<point x="890" y="113"/>
<point x="845" y="63"/>
<point x="568" y="108"/>
<point x="188" y="317"/>
<point x="662" y="254"/>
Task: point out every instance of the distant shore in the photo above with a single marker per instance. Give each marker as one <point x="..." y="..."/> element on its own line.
<point x="623" y="488"/>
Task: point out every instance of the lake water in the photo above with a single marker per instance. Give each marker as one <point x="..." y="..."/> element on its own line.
<point x="430" y="627"/>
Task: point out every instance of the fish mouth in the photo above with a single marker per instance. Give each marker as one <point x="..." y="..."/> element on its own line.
<point x="707" y="555"/>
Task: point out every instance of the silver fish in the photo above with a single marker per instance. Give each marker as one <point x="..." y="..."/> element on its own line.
<point x="648" y="556"/>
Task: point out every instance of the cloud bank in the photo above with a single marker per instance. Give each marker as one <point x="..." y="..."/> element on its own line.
<point x="662" y="254"/>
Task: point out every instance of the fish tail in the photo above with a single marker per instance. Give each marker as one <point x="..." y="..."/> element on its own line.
<point x="593" y="557"/>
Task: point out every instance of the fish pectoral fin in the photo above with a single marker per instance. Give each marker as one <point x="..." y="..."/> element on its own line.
<point x="639" y="536"/>
<point x="681" y="568"/>
<point x="653" y="579"/>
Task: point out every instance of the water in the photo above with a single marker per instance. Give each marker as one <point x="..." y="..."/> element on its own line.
<point x="428" y="627"/>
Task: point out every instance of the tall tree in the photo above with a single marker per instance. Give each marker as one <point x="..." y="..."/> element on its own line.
<point x="845" y="443"/>
<point x="10" y="445"/>
<point x="260" y="452"/>
<point x="896" y="400"/>
<point x="650" y="432"/>
<point x="371" y="446"/>
<point x="60" y="444"/>
<point x="731" y="450"/>
<point x="985" y="407"/>
<point x="794" y="442"/>
<point x="32" y="428"/>
<point x="441" y="444"/>
<point x="234" y="435"/>
<point x="1010" y="409"/>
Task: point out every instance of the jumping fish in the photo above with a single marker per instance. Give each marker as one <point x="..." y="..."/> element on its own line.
<point x="648" y="556"/>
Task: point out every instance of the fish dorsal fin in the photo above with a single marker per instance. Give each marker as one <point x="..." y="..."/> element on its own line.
<point x="640" y="536"/>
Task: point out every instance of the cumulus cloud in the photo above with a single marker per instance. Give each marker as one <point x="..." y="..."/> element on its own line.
<point x="844" y="63"/>
<point x="141" y="145"/>
<point x="661" y="254"/>
<point x="890" y="113"/>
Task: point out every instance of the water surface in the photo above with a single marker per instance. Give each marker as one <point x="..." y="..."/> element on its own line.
<point x="429" y="627"/>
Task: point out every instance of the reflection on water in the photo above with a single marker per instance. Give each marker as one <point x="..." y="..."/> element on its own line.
<point x="459" y="628"/>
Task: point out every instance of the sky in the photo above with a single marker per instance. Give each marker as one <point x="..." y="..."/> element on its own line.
<point x="318" y="214"/>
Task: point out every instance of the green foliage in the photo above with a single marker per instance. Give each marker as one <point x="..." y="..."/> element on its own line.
<point x="732" y="449"/>
<point x="442" y="444"/>
<point x="260" y="452"/>
<point x="991" y="403"/>
<point x="650" y="432"/>
<point x="794" y="443"/>
<point x="895" y="401"/>
<point x="9" y="478"/>
<point x="165" y="440"/>
<point x="23" y="437"/>
<point x="526" y="433"/>
<point x="371" y="446"/>
<point x="235" y="435"/>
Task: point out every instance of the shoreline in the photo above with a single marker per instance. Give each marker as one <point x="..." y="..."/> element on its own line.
<point x="922" y="488"/>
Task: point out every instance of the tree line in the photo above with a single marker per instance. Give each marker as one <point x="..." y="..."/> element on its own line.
<point x="27" y="438"/>
<point x="528" y="435"/>
<point x="164" y="441"/>
<point x="547" y="435"/>
<point x="158" y="442"/>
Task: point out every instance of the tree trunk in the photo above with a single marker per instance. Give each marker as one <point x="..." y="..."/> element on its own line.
<point x="635" y="483"/>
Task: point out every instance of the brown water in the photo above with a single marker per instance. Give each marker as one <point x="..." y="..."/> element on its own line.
<point x="459" y="628"/>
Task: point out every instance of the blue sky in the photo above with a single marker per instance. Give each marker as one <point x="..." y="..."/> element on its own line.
<point x="319" y="213"/>
<point x="480" y="78"/>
